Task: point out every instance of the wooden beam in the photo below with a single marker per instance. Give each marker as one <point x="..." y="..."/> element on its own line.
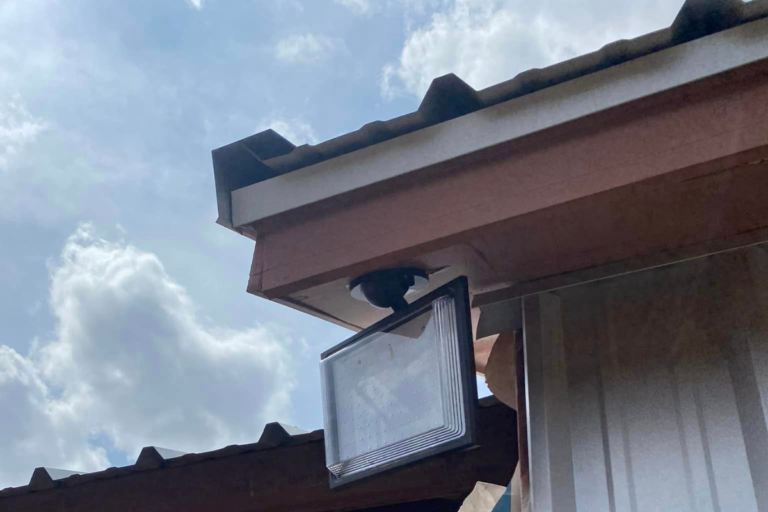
<point x="633" y="229"/>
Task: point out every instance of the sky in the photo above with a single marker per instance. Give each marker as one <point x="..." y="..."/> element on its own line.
<point x="124" y="320"/>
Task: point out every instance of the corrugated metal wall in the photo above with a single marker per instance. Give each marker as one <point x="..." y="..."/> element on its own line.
<point x="649" y="391"/>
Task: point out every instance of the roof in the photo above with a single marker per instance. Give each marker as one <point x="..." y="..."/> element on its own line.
<point x="267" y="154"/>
<point x="154" y="457"/>
<point x="284" y="460"/>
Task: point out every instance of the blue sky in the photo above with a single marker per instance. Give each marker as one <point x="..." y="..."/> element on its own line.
<point x="124" y="320"/>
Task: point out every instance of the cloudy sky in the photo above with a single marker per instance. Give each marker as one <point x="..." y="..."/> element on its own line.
<point x="124" y="320"/>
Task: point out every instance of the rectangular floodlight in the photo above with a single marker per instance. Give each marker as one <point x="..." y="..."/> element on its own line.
<point x="403" y="389"/>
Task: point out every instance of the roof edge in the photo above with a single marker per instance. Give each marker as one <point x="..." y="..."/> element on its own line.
<point x="275" y="436"/>
<point x="519" y="117"/>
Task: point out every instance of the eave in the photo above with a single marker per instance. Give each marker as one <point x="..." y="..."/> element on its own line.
<point x="657" y="158"/>
<point x="511" y="120"/>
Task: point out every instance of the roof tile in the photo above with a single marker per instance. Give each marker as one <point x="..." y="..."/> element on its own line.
<point x="698" y="18"/>
<point x="276" y="434"/>
<point x="152" y="457"/>
<point x="46" y="478"/>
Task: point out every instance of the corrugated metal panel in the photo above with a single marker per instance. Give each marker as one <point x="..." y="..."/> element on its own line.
<point x="46" y="478"/>
<point x="649" y="391"/>
<point x="152" y="457"/>
<point x="246" y="162"/>
<point x="275" y="436"/>
<point x="155" y="457"/>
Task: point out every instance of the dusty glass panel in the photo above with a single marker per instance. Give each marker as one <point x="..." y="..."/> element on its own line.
<point x="398" y="394"/>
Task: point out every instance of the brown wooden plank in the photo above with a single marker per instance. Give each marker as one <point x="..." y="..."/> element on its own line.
<point x="640" y="226"/>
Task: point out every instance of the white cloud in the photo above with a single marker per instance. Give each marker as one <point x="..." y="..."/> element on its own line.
<point x="305" y="48"/>
<point x="408" y="7"/>
<point x="197" y="4"/>
<point x="131" y="362"/>
<point x="18" y="128"/>
<point x="359" y="6"/>
<point x="39" y="430"/>
<point x="488" y="41"/>
<point x="295" y="130"/>
<point x="70" y="89"/>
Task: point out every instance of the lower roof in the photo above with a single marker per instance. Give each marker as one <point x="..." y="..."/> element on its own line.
<point x="283" y="471"/>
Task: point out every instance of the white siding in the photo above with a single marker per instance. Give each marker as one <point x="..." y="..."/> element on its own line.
<point x="649" y="392"/>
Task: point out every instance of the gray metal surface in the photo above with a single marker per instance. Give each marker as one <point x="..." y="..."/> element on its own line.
<point x="649" y="391"/>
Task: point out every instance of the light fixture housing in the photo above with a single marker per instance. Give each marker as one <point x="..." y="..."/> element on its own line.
<point x="388" y="288"/>
<point x="401" y="390"/>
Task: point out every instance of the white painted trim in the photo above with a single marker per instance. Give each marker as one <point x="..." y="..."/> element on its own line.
<point x="513" y="119"/>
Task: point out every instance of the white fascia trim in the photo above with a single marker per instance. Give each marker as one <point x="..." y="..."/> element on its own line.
<point x="506" y="121"/>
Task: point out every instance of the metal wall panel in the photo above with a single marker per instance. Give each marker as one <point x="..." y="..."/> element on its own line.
<point x="649" y="391"/>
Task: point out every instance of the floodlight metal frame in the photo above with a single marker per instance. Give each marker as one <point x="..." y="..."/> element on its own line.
<point x="458" y="289"/>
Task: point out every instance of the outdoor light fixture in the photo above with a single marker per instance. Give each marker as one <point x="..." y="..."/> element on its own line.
<point x="401" y="390"/>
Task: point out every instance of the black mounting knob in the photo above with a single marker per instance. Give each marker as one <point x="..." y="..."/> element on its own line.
<point x="387" y="288"/>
